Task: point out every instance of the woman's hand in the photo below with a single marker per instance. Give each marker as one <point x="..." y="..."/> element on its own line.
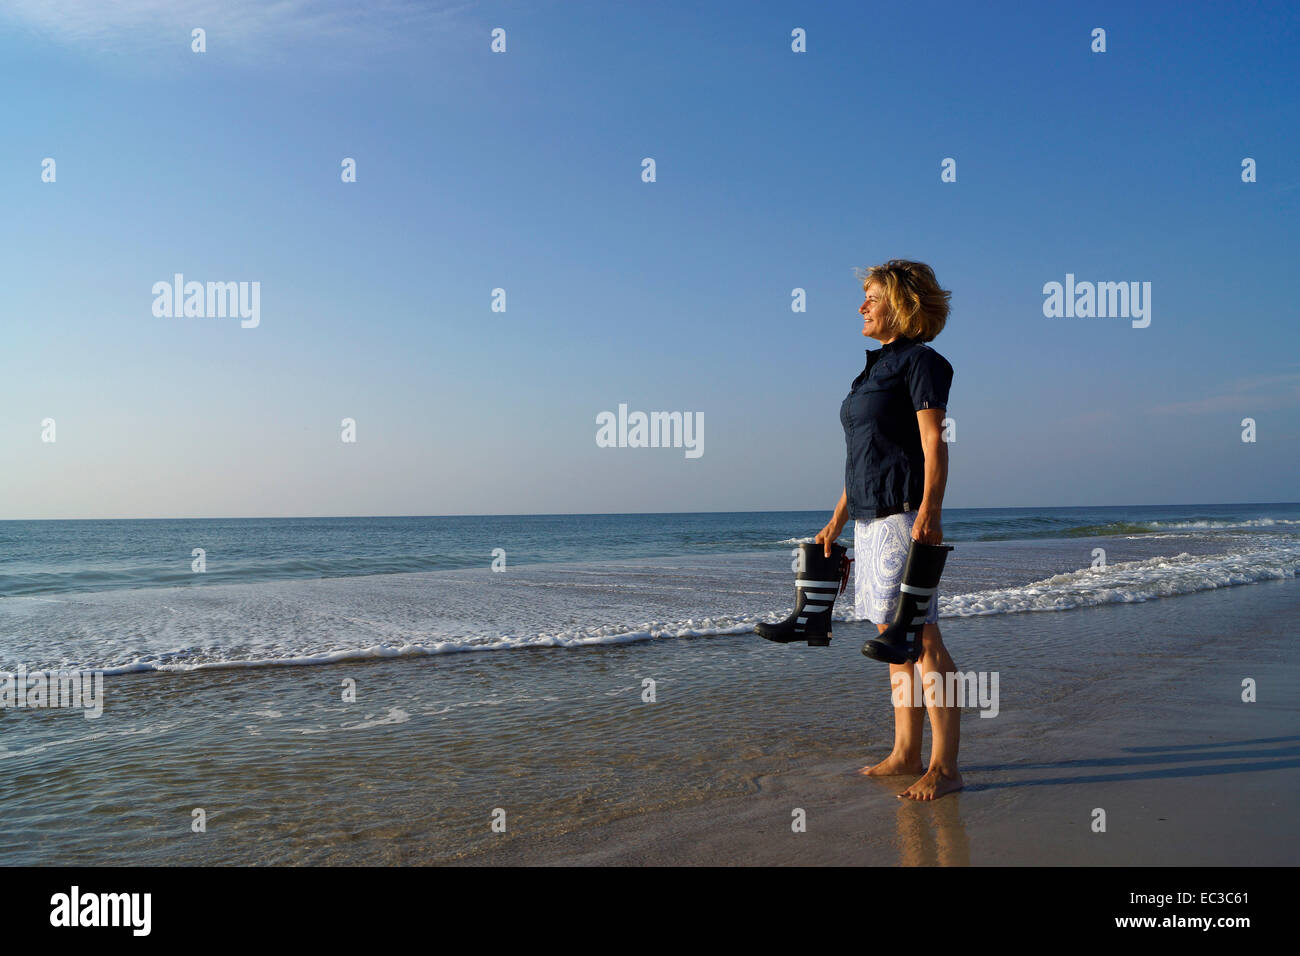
<point x="927" y="528"/>
<point x="828" y="534"/>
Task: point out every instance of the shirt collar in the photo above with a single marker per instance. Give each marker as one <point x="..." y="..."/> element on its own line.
<point x="901" y="342"/>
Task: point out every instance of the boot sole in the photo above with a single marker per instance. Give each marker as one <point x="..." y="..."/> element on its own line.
<point x="812" y="641"/>
<point x="872" y="650"/>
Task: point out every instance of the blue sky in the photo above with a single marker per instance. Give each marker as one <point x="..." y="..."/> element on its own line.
<point x="522" y="170"/>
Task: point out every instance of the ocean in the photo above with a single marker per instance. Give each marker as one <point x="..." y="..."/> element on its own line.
<point x="123" y="596"/>
<point x="608" y="669"/>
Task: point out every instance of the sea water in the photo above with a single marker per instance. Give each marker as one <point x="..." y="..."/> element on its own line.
<point x="372" y="691"/>
<point x="123" y="596"/>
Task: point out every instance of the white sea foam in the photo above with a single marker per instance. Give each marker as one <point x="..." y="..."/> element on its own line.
<point x="1128" y="582"/>
<point x="314" y="622"/>
<point x="76" y="738"/>
<point x="395" y="715"/>
<point x="1206" y="525"/>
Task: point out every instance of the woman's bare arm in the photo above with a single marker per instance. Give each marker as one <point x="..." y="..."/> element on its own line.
<point x="928" y="528"/>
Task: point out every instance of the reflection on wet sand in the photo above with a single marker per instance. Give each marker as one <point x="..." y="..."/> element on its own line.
<point x="932" y="833"/>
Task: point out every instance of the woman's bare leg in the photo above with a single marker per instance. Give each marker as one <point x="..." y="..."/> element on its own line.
<point x="909" y="720"/>
<point x="945" y="721"/>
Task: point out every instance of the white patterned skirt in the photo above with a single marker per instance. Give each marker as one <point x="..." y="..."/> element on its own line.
<point x="880" y="549"/>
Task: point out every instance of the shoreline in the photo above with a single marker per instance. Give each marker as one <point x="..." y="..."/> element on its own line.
<point x="1134" y="708"/>
<point x="1208" y="780"/>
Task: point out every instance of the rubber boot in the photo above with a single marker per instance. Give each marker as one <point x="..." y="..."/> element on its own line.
<point x="815" y="588"/>
<point x="900" y="643"/>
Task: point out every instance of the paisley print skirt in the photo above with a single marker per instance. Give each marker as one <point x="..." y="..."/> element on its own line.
<point x="879" y="555"/>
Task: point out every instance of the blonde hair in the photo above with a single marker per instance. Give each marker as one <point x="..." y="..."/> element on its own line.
<point x="918" y="308"/>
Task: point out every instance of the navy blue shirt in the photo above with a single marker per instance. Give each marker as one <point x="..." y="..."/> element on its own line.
<point x="885" y="467"/>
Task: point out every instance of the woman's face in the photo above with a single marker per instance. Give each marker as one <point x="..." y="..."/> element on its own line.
<point x="875" y="314"/>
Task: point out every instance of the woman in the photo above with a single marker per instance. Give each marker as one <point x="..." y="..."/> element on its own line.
<point x="895" y="473"/>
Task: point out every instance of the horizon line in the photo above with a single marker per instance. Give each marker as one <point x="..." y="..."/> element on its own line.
<point x="605" y="514"/>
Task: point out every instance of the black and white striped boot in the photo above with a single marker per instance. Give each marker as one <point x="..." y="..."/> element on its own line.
<point x="900" y="642"/>
<point x="818" y="582"/>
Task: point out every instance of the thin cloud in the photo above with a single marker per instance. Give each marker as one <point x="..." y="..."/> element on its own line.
<point x="1243" y="395"/>
<point x="238" y="25"/>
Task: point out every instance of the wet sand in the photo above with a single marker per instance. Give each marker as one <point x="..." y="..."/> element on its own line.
<point x="1132" y="708"/>
<point x="1156" y="736"/>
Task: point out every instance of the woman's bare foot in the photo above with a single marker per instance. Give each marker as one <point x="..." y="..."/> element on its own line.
<point x="933" y="785"/>
<point x="893" y="766"/>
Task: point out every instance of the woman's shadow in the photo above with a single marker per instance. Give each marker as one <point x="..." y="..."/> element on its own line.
<point x="1196" y="760"/>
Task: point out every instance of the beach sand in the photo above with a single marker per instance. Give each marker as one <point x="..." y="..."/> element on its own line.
<point x="1157" y="736"/>
<point x="1132" y="708"/>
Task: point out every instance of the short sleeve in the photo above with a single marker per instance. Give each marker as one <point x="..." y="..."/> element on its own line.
<point x="929" y="377"/>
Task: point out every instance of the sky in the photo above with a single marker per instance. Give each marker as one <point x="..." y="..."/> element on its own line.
<point x="522" y="170"/>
